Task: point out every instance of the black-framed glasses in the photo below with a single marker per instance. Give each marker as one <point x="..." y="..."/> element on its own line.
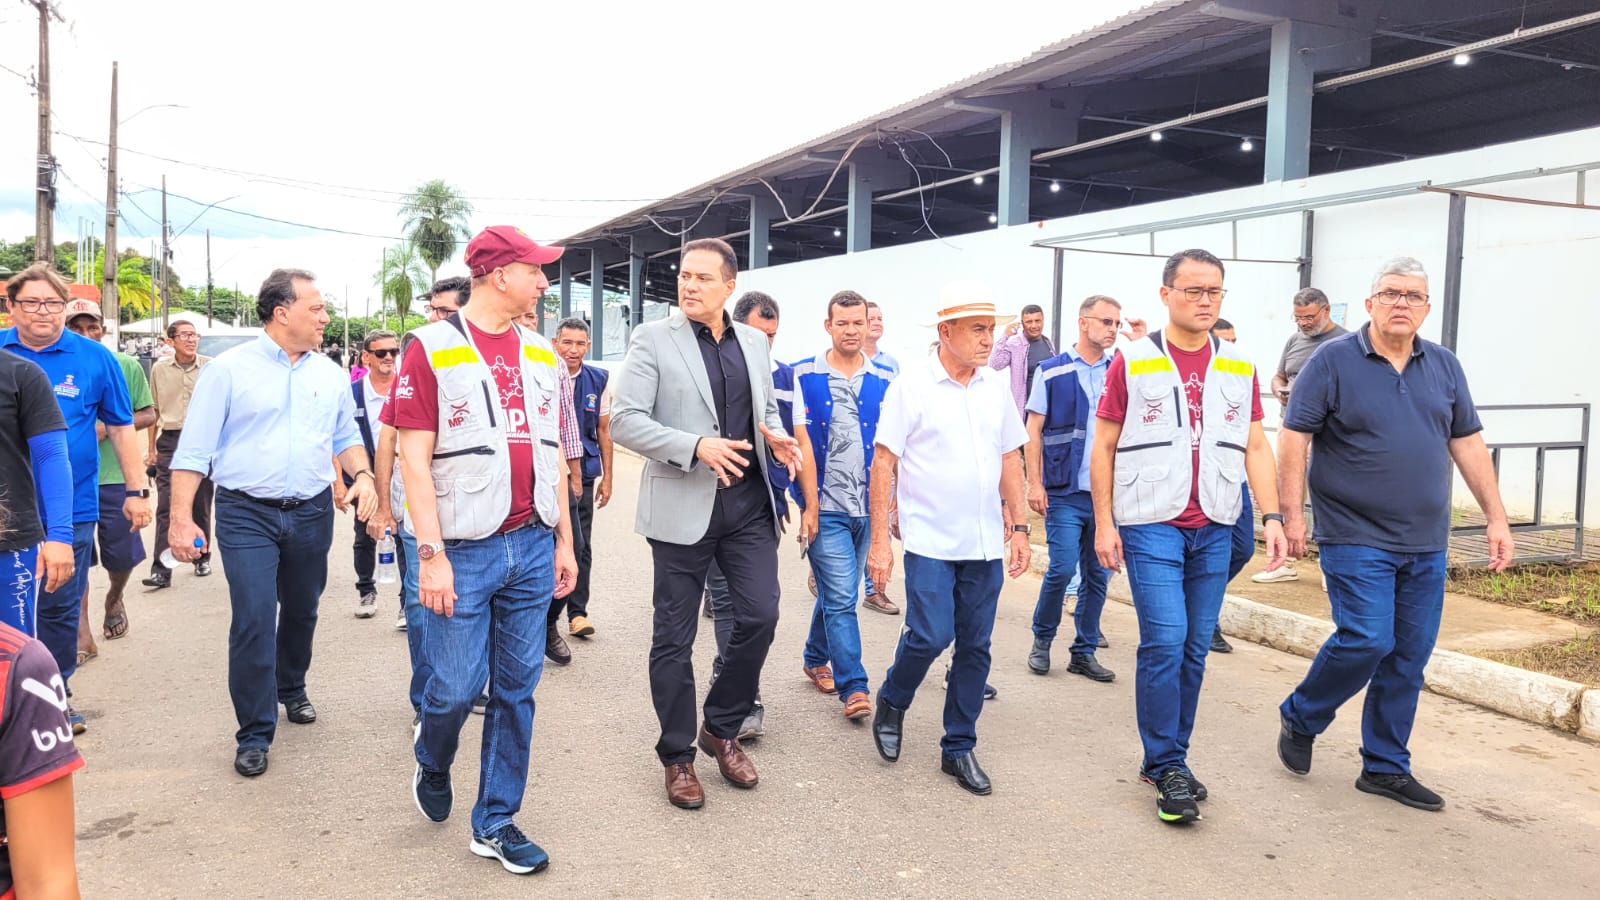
<point x="386" y="353"/>
<point x="1109" y="323"/>
<point x="441" y="310"/>
<point x="1401" y="298"/>
<point x="1193" y="294"/>
<point x="34" y="305"/>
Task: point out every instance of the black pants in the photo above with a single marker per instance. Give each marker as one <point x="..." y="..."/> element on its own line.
<point x="743" y="541"/>
<point x="581" y="510"/>
<point x="366" y="560"/>
<point x="166" y="445"/>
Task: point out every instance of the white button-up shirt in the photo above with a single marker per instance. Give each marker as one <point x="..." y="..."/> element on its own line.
<point x="950" y="440"/>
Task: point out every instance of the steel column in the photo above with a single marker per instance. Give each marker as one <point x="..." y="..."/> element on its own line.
<point x="1450" y="305"/>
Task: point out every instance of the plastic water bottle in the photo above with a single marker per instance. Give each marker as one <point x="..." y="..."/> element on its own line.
<point x="170" y="562"/>
<point x="388" y="573"/>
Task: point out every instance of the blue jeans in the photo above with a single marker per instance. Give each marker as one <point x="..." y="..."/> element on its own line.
<point x="1178" y="576"/>
<point x="276" y="561"/>
<point x="1243" y="545"/>
<point x="414" y="610"/>
<point x="58" y="611"/>
<point x="18" y="570"/>
<point x="1386" y="606"/>
<point x="838" y="557"/>
<point x="947" y="601"/>
<point x="1069" y="527"/>
<point x="503" y="586"/>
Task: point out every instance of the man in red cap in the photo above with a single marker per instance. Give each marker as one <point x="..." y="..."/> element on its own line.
<point x="477" y="407"/>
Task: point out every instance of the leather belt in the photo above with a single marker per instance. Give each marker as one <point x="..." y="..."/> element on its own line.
<point x="274" y="502"/>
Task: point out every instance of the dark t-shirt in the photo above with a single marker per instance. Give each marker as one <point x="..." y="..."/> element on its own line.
<point x="1038" y="352"/>
<point x="729" y="374"/>
<point x="36" y="745"/>
<point x="27" y="409"/>
<point x="414" y="403"/>
<point x="1192" y="365"/>
<point x="1380" y="447"/>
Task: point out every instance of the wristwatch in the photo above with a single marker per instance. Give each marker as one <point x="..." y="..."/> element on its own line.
<point x="1023" y="529"/>
<point x="1271" y="517"/>
<point x="429" y="550"/>
<point x="142" y="493"/>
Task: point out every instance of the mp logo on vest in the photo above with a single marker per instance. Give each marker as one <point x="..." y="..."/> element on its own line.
<point x="1152" y="412"/>
<point x="461" y="415"/>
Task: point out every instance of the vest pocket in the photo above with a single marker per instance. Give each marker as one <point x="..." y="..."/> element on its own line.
<point x="1139" y="489"/>
<point x="463" y="504"/>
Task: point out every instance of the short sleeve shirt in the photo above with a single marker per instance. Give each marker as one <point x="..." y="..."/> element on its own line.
<point x="27" y="409"/>
<point x="951" y="440"/>
<point x="36" y="746"/>
<point x="1299" y="348"/>
<point x="139" y="397"/>
<point x="844" y="482"/>
<point x="1381" y="469"/>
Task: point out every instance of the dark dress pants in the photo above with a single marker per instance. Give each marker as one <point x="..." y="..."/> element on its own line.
<point x="166" y="445"/>
<point x="581" y="510"/>
<point x="743" y="541"/>
<point x="366" y="556"/>
<point x="276" y="561"/>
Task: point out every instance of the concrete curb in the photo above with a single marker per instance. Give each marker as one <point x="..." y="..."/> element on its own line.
<point x="1530" y="696"/>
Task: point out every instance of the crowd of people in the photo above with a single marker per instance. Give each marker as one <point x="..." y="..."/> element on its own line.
<point x="482" y="450"/>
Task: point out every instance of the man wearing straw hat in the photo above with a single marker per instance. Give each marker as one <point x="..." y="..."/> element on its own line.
<point x="949" y="425"/>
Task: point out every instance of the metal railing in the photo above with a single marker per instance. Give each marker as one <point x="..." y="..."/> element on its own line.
<point x="1462" y="545"/>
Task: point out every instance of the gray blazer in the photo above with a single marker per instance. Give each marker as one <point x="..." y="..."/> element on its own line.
<point x="662" y="405"/>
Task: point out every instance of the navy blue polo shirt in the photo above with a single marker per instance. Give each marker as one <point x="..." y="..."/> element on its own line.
<point x="1380" y="447"/>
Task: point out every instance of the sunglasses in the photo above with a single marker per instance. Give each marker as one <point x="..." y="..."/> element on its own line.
<point x="390" y="353"/>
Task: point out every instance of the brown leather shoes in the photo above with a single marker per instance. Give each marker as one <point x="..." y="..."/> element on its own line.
<point x="857" y="706"/>
<point x="683" y="788"/>
<point x="821" y="676"/>
<point x="731" y="759"/>
<point x="880" y="602"/>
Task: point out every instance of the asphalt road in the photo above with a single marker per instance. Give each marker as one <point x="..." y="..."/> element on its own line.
<point x="161" y="812"/>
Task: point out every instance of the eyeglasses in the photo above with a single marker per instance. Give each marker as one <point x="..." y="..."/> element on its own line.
<point x="387" y="353"/>
<point x="185" y="336"/>
<point x="34" y="305"/>
<point x="1401" y="298"/>
<point x="1109" y="323"/>
<point x="441" y="310"/>
<point x="1193" y="294"/>
<point x="1308" y="319"/>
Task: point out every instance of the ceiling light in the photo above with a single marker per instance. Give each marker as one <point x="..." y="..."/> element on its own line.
<point x="1155" y="136"/>
<point x="674" y="267"/>
<point x="647" y="283"/>
<point x="993" y="218"/>
<point x="1463" y="58"/>
<point x="1055" y="187"/>
<point x="1246" y="145"/>
<point x="838" y="233"/>
<point x="977" y="179"/>
<point x="769" y="248"/>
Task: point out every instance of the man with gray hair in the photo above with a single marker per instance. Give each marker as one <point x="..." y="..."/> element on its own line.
<point x="1387" y="413"/>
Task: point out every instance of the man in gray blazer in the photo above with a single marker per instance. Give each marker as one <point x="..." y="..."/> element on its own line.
<point x="694" y="397"/>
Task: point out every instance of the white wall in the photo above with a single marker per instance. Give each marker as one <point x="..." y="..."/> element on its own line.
<point x="1528" y="323"/>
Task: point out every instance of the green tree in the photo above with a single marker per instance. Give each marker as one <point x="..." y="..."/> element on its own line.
<point x="18" y="256"/>
<point x="135" y="290"/>
<point x="401" y="277"/>
<point x="435" y="217"/>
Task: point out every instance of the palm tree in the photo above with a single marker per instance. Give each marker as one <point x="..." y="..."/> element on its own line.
<point x="135" y="288"/>
<point x="435" y="216"/>
<point x="400" y="278"/>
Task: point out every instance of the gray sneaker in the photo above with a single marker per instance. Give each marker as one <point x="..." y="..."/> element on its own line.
<point x="367" y="606"/>
<point x="752" y="727"/>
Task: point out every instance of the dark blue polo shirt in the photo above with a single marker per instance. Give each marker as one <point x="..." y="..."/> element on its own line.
<point x="1380" y="447"/>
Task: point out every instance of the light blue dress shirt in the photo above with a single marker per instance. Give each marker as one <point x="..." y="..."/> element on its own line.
<point x="1092" y="378"/>
<point x="265" y="428"/>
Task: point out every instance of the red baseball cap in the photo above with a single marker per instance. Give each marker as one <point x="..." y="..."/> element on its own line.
<point x="501" y="245"/>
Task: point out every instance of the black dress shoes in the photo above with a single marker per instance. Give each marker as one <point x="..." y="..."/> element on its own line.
<point x="157" y="579"/>
<point x="1039" y="657"/>
<point x="1219" y="644"/>
<point x="886" y="724"/>
<point x="250" y="761"/>
<point x="1085" y="664"/>
<point x="300" y="711"/>
<point x="203" y="568"/>
<point x="968" y="773"/>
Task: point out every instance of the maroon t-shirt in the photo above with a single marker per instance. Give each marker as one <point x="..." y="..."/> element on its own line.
<point x="414" y="403"/>
<point x="1192" y="365"/>
<point x="36" y="744"/>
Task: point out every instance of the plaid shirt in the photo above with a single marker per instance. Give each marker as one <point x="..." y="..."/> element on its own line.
<point x="1012" y="353"/>
<point x="571" y="440"/>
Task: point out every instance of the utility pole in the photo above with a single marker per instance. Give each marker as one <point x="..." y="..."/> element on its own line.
<point x="44" y="241"/>
<point x="208" y="278"/>
<point x="108" y="274"/>
<point x="166" y="259"/>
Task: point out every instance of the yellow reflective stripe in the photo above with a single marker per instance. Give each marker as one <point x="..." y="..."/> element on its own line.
<point x="1233" y="366"/>
<point x="539" y="355"/>
<point x="452" y="356"/>
<point x="1153" y="364"/>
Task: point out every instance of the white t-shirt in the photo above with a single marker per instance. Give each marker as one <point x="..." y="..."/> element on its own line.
<point x="375" y="401"/>
<point x="950" y="440"/>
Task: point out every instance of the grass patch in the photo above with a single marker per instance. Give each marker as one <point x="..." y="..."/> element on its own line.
<point x="1575" y="660"/>
<point x="1570" y="591"/>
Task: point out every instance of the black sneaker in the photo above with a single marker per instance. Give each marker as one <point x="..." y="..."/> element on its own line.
<point x="1195" y="787"/>
<point x="1294" y="748"/>
<point x="989" y="691"/>
<point x="433" y="793"/>
<point x="1175" y="800"/>
<point x="1219" y="644"/>
<point x="516" y="853"/>
<point x="1401" y="789"/>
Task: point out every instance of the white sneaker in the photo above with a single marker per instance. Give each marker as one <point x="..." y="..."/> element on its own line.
<point x="367" y="606"/>
<point x="1284" y="572"/>
<point x="400" y="622"/>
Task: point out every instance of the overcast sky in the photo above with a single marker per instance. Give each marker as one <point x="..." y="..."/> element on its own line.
<point x="551" y="117"/>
